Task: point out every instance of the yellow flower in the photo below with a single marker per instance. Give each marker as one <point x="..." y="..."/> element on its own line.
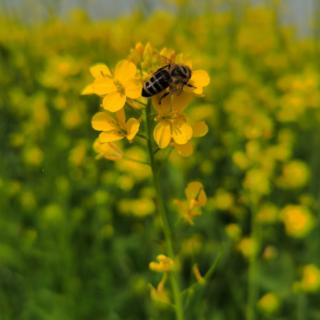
<point x="164" y="264"/>
<point x="115" y="128"/>
<point x="33" y="156"/>
<point x="248" y="247"/>
<point x="145" y="56"/>
<point x="298" y="220"/>
<point x="233" y="231"/>
<point x="160" y="294"/>
<point x="174" y="128"/>
<point x="310" y="281"/>
<point x="269" y="303"/>
<point x="295" y="174"/>
<point x="109" y="151"/>
<point x="199" y="129"/>
<point x="196" y="198"/>
<point x="115" y="89"/>
<point x="172" y="125"/>
<point x="257" y="182"/>
<point x="199" y="80"/>
<point x="140" y="208"/>
<point x="223" y="200"/>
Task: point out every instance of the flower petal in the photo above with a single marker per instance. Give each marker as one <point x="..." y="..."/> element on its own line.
<point x="185" y="150"/>
<point x="195" y="191"/>
<point x="100" y="70"/>
<point x="133" y="88"/>
<point x="181" y="131"/>
<point x="132" y="128"/>
<point x="102" y="121"/>
<point x="165" y="107"/>
<point x="121" y="118"/>
<point x="114" y="101"/>
<point x="198" y="90"/>
<point x="171" y="103"/>
<point x="199" y="79"/>
<point x="124" y="71"/>
<point x="137" y="104"/>
<point x="110" y="136"/>
<point x="108" y="151"/>
<point x="162" y="134"/>
<point x="200" y="129"/>
<point x="100" y="87"/>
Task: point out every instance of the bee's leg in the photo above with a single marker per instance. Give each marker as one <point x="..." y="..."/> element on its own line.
<point x="178" y="89"/>
<point x="163" y="96"/>
<point x="190" y="85"/>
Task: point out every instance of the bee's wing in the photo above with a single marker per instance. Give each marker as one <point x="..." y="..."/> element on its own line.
<point x="152" y="73"/>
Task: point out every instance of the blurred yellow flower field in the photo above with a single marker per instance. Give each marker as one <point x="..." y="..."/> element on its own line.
<point x="202" y="203"/>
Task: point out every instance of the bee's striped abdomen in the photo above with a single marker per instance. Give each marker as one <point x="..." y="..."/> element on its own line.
<point x="157" y="83"/>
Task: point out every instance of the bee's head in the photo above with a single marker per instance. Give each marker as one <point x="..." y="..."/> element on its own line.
<point x="182" y="72"/>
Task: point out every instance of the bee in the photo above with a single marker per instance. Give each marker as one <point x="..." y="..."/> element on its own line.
<point x="171" y="76"/>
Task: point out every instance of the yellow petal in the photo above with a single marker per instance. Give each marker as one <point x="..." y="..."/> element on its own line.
<point x="100" y="70"/>
<point x="200" y="129"/>
<point x="110" y="136"/>
<point x="199" y="79"/>
<point x="109" y="150"/>
<point x="124" y="71"/>
<point x="132" y="128"/>
<point x="185" y="150"/>
<point x="162" y="134"/>
<point x="88" y="90"/>
<point x="148" y="51"/>
<point x="195" y="191"/>
<point x="197" y="90"/>
<point x="133" y="88"/>
<point x="172" y="102"/>
<point x="181" y="59"/>
<point x="181" y="131"/>
<point x="138" y="104"/>
<point x="114" y="101"/>
<point x="102" y="121"/>
<point x="100" y="87"/>
<point x="164" y="108"/>
<point x="181" y="101"/>
<point x="121" y="118"/>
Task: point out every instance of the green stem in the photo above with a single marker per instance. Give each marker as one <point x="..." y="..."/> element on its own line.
<point x="136" y="160"/>
<point x="174" y="277"/>
<point x="252" y="273"/>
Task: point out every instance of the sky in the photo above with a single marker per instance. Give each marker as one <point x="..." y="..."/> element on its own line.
<point x="298" y="11"/>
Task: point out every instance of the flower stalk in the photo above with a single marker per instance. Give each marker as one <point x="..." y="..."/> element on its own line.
<point x="253" y="267"/>
<point x="174" y="276"/>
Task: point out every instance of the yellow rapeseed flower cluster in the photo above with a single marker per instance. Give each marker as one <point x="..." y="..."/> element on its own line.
<point x="121" y="94"/>
<point x="298" y="220"/>
<point x="269" y="303"/>
<point x="195" y="199"/>
<point x="248" y="246"/>
<point x="310" y="280"/>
